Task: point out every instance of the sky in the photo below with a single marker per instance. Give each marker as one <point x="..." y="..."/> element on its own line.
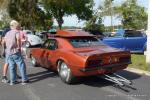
<point x="73" y="20"/>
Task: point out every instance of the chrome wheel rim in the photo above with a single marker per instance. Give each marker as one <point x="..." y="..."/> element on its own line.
<point x="33" y="60"/>
<point x="64" y="70"/>
<point x="27" y="44"/>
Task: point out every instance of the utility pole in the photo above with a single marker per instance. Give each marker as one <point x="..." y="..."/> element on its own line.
<point x="148" y="36"/>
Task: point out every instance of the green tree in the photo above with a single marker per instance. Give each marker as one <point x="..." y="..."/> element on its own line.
<point x="28" y="13"/>
<point x="61" y="8"/>
<point x="3" y="4"/>
<point x="132" y="15"/>
<point x="94" y="25"/>
<point x="4" y="16"/>
<point x="5" y="19"/>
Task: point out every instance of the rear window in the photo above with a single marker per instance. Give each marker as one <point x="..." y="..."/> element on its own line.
<point x="133" y="34"/>
<point x="79" y="42"/>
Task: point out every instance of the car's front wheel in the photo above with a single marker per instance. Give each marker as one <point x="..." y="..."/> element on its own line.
<point x="65" y="73"/>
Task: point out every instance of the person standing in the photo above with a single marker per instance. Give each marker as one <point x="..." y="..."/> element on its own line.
<point x="13" y="53"/>
<point x="23" y="37"/>
<point x="5" y="67"/>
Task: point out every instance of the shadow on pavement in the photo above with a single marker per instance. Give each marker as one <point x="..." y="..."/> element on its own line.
<point x="129" y="75"/>
<point x="97" y="81"/>
<point x="93" y="81"/>
<point x="41" y="76"/>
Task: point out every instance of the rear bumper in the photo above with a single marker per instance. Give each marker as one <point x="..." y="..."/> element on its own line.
<point x="104" y="67"/>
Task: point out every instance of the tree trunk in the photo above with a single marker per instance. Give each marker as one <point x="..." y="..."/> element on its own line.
<point x="60" y="25"/>
<point x="60" y="22"/>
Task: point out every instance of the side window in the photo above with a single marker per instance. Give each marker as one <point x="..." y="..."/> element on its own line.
<point x="52" y="44"/>
<point x="133" y="34"/>
<point x="46" y="44"/>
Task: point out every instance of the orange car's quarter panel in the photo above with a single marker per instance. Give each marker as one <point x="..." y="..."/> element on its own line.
<point x="78" y="58"/>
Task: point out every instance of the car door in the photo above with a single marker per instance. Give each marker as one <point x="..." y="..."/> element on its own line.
<point x="40" y="53"/>
<point x="134" y="41"/>
<point x="49" y="54"/>
<point x="117" y="41"/>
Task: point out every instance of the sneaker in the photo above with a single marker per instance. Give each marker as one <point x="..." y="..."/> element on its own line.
<point x="4" y="79"/>
<point x="25" y="82"/>
<point x="13" y="83"/>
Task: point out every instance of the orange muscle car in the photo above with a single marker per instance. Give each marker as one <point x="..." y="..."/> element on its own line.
<point x="78" y="53"/>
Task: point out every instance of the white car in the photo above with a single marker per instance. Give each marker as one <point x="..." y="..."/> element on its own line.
<point x="32" y="40"/>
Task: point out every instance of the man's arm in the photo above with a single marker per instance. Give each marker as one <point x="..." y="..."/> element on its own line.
<point x="18" y="39"/>
<point x="3" y="42"/>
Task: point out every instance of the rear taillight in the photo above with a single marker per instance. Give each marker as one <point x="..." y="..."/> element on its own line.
<point x="94" y="63"/>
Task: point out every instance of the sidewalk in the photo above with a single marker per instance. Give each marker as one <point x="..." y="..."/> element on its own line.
<point x="138" y="71"/>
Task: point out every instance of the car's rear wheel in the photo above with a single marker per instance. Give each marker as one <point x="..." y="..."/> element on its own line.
<point x="27" y="44"/>
<point x="65" y="72"/>
<point x="33" y="61"/>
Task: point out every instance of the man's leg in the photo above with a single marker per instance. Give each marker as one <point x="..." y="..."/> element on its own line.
<point x="4" y="77"/>
<point x="5" y="68"/>
<point x="12" y="70"/>
<point x="22" y="67"/>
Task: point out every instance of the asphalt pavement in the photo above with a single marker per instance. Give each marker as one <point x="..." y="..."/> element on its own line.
<point x="46" y="85"/>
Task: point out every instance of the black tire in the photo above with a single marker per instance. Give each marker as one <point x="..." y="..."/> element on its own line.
<point x="33" y="61"/>
<point x="65" y="73"/>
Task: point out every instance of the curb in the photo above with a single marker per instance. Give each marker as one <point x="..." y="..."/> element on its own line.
<point x="138" y="71"/>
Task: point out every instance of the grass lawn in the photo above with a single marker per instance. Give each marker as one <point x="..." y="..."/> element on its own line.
<point x="139" y="62"/>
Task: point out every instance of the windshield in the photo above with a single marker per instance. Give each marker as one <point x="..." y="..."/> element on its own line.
<point x="117" y="35"/>
<point x="78" y="42"/>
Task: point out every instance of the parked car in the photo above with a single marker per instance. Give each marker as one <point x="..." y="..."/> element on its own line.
<point x="134" y="41"/>
<point x="33" y="40"/>
<point x="77" y="54"/>
<point x="43" y="35"/>
<point x="108" y="34"/>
